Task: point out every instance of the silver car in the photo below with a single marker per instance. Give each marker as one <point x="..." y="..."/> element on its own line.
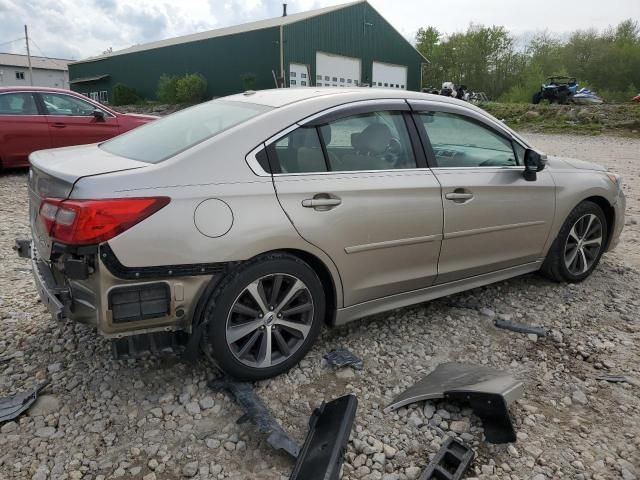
<point x="245" y="224"/>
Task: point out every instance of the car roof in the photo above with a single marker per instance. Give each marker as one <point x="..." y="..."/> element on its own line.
<point x="22" y="88"/>
<point x="280" y="97"/>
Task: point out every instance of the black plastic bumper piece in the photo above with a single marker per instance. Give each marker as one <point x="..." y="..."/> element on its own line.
<point x="12" y="407"/>
<point x="450" y="463"/>
<point x="493" y="410"/>
<point x="323" y="450"/>
<point x="140" y="302"/>
<point x="157" y="344"/>
<point x="257" y="413"/>
<point x="23" y="248"/>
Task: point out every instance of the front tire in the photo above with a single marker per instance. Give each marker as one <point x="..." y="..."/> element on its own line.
<point x="577" y="249"/>
<point x="264" y="317"/>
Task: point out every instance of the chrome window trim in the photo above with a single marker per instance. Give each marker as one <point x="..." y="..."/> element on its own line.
<point x="351" y="172"/>
<point x="258" y="170"/>
<point x="400" y="102"/>
<point x="477" y="167"/>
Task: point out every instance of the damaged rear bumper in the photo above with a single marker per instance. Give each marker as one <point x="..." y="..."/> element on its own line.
<point x="56" y="299"/>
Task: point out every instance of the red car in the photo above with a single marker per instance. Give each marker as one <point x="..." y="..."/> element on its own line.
<point x="33" y="118"/>
<point x="636" y="98"/>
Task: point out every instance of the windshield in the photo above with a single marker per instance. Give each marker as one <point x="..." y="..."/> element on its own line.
<point x="162" y="139"/>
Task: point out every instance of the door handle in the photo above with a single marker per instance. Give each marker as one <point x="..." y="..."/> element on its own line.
<point x="58" y="125"/>
<point x="321" y="203"/>
<point x="459" y="195"/>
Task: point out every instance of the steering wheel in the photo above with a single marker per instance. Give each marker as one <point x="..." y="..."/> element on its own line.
<point x="395" y="147"/>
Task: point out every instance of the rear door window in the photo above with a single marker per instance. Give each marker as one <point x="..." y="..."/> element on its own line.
<point x="370" y="141"/>
<point x="19" y="103"/>
<point x="299" y="152"/>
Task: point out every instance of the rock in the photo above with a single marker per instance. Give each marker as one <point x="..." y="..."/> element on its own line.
<point x="412" y="472"/>
<point x="54" y="367"/>
<point x="389" y="451"/>
<point x="428" y="410"/>
<point x="193" y="408"/>
<point x="533" y="451"/>
<point x="459" y="426"/>
<point x="345" y="373"/>
<point x="190" y="469"/>
<point x="153" y="464"/>
<point x="149" y="476"/>
<point x="579" y="396"/>
<point x="487" y="469"/>
<point x="487" y="312"/>
<point x="556" y="336"/>
<point x="212" y="443"/>
<point x="45" y="405"/>
<point x="9" y="427"/>
<point x="45" y="432"/>
<point x="206" y="403"/>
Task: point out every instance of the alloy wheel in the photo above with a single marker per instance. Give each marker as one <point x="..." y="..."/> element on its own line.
<point x="583" y="244"/>
<point x="269" y="320"/>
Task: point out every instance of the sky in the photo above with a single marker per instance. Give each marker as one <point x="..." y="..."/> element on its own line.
<point x="83" y="28"/>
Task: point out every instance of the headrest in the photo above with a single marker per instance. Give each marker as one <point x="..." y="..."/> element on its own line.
<point x="373" y="139"/>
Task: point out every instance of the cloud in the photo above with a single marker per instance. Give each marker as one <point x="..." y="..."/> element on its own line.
<point x="66" y="29"/>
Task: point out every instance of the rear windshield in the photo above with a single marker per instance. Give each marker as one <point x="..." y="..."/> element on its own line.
<point x="162" y="139"/>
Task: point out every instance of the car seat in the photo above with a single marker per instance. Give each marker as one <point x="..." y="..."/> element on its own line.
<point x="5" y="108"/>
<point x="28" y="106"/>
<point x="370" y="147"/>
<point x="310" y="157"/>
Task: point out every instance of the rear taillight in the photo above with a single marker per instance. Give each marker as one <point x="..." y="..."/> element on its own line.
<point x="89" y="222"/>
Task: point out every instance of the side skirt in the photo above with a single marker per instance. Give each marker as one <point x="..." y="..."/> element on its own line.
<point x="354" y="312"/>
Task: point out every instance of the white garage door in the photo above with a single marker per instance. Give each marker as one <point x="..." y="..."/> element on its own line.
<point x="337" y="71"/>
<point x="298" y="75"/>
<point x="386" y="75"/>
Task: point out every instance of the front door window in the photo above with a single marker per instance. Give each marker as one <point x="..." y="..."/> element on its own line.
<point x="461" y="142"/>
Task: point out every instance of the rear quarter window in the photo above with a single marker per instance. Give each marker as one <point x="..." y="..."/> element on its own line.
<point x="162" y="139"/>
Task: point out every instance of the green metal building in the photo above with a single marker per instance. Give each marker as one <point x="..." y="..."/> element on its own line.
<point x="343" y="45"/>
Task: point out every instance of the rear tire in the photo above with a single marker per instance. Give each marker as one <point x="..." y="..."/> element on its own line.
<point x="264" y="317"/>
<point x="577" y="249"/>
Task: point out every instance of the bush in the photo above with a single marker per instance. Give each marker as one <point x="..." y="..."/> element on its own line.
<point x="167" y="88"/>
<point x="191" y="88"/>
<point x="124" y="95"/>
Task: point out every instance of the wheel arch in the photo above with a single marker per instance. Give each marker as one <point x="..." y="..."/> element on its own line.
<point x="326" y="278"/>
<point x="609" y="214"/>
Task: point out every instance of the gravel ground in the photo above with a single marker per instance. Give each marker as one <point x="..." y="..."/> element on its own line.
<point x="156" y="419"/>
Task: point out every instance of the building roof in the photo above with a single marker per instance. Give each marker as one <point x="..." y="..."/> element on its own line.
<point x="221" y="32"/>
<point x="43" y="63"/>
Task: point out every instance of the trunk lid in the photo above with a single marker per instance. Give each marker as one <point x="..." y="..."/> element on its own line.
<point x="53" y="174"/>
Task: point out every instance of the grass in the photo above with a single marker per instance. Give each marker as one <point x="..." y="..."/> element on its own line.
<point x="621" y="119"/>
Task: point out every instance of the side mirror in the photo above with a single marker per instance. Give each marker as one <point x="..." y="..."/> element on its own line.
<point x="98" y="115"/>
<point x="533" y="163"/>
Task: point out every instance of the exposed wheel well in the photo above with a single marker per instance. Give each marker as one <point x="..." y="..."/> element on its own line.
<point x="325" y="277"/>
<point x="609" y="214"/>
